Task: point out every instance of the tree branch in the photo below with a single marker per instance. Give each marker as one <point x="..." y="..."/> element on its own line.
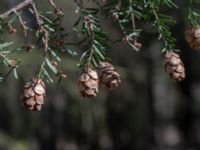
<point x="20" y="6"/>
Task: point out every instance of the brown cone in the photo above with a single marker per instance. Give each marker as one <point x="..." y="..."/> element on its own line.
<point x="174" y="66"/>
<point x="108" y="75"/>
<point x="34" y="94"/>
<point x="192" y="36"/>
<point x="88" y="83"/>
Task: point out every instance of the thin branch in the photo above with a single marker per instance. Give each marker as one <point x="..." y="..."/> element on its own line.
<point x="57" y="10"/>
<point x="36" y="14"/>
<point x="91" y="38"/>
<point x="169" y="44"/>
<point x="43" y="31"/>
<point x="16" y="8"/>
<point x="53" y="4"/>
<point x="22" y="24"/>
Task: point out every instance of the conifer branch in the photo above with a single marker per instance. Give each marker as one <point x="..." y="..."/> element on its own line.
<point x="124" y="13"/>
<point x="43" y="31"/>
<point x="161" y="23"/>
<point x="94" y="41"/>
<point x="17" y="8"/>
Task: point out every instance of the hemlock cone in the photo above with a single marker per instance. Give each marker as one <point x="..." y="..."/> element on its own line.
<point x="108" y="75"/>
<point x="174" y="66"/>
<point x="192" y="36"/>
<point x="88" y="83"/>
<point x="34" y="94"/>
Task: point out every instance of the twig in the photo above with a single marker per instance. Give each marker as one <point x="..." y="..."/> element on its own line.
<point x="164" y="33"/>
<point x="53" y="4"/>
<point x="36" y="14"/>
<point x="22" y="24"/>
<point x="43" y="31"/>
<point x="91" y="37"/>
<point x="20" y="6"/>
<point x="57" y="10"/>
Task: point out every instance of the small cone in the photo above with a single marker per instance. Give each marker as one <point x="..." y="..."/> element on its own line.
<point x="174" y="66"/>
<point x="192" y="36"/>
<point x="108" y="75"/>
<point x="88" y="83"/>
<point x="34" y="94"/>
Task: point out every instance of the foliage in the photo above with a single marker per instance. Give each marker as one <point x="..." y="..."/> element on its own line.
<point x="95" y="42"/>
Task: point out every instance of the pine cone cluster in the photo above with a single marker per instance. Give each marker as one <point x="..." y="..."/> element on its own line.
<point x="108" y="75"/>
<point x="88" y="83"/>
<point x="89" y="79"/>
<point x="174" y="66"/>
<point x="34" y="94"/>
<point x="192" y="36"/>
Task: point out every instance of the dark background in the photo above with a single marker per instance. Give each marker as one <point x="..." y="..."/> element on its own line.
<point x="147" y="112"/>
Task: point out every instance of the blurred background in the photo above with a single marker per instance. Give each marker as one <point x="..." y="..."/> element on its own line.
<point x="147" y="112"/>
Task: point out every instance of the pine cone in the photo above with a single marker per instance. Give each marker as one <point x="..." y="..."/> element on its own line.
<point x="34" y="94"/>
<point x="192" y="36"/>
<point x="174" y="66"/>
<point x="88" y="83"/>
<point x="108" y="75"/>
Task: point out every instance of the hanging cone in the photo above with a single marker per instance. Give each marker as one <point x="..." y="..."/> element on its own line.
<point x="88" y="83"/>
<point x="108" y="75"/>
<point x="192" y="36"/>
<point x="174" y="66"/>
<point x="34" y="94"/>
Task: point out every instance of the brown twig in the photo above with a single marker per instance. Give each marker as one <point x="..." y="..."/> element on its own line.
<point x="53" y="4"/>
<point x="154" y="11"/>
<point x="22" y="24"/>
<point x="135" y="42"/>
<point x="36" y="14"/>
<point x="43" y="31"/>
<point x="16" y="8"/>
<point x="58" y="11"/>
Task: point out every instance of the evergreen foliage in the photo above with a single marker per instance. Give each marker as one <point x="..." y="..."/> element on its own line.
<point x="95" y="42"/>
